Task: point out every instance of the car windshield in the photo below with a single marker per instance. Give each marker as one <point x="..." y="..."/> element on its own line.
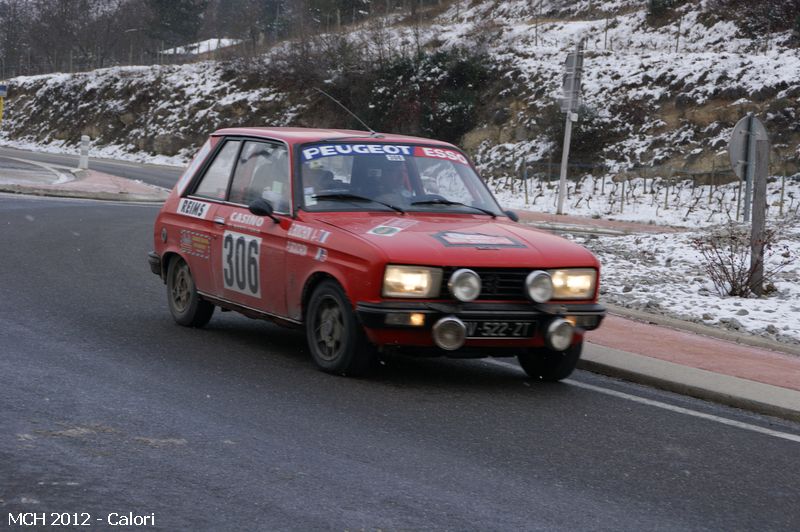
<point x="399" y="177"/>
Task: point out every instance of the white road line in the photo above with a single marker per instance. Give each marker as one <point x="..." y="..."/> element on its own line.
<point x="667" y="406"/>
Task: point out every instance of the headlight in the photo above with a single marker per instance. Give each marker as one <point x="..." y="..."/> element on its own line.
<point x="411" y="281"/>
<point x="574" y="283"/>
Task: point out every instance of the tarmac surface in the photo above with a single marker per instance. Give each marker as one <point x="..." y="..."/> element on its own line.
<point x="720" y="366"/>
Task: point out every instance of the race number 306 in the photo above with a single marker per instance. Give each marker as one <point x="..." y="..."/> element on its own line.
<point x="241" y="257"/>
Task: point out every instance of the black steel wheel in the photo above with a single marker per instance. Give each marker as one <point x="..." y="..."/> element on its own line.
<point x="335" y="337"/>
<point x="549" y="365"/>
<point x="185" y="304"/>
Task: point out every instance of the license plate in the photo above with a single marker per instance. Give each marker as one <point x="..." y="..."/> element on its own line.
<point x="499" y="329"/>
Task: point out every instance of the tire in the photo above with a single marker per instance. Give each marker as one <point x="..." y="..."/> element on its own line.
<point x="185" y="304"/>
<point x="548" y="365"/>
<point x="335" y="338"/>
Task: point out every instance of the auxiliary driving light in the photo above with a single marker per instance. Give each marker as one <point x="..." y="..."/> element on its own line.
<point x="540" y="286"/>
<point x="559" y="334"/>
<point x="464" y="284"/>
<point x="449" y="333"/>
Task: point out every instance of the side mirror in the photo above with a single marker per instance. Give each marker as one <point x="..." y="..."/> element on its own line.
<point x="262" y="207"/>
<point x="511" y="214"/>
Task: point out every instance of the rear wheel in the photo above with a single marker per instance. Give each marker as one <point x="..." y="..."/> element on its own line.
<point x="335" y="338"/>
<point x="185" y="304"/>
<point x="549" y="365"/>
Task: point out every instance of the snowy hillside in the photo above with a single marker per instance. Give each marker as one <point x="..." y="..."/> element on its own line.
<point x="663" y="96"/>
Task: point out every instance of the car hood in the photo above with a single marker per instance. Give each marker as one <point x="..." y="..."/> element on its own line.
<point x="460" y="240"/>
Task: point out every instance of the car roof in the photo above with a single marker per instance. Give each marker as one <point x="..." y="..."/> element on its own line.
<point x="301" y="135"/>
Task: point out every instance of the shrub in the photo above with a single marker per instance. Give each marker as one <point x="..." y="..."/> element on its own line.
<point x="726" y="251"/>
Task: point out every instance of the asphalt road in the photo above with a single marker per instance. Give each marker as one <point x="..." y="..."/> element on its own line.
<point x="159" y="175"/>
<point x="107" y="406"/>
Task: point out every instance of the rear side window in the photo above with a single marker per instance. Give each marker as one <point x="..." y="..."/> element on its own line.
<point x="214" y="183"/>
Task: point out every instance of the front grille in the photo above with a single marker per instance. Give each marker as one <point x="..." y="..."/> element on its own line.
<point x="505" y="284"/>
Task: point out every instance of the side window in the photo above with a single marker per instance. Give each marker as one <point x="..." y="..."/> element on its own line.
<point x="214" y="183"/>
<point x="262" y="172"/>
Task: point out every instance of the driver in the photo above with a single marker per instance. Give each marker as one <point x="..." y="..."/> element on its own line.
<point x="392" y="184"/>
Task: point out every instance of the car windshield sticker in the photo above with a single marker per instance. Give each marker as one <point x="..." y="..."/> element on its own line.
<point x="308" y="194"/>
<point x="332" y="150"/>
<point x="197" y="244"/>
<point x="304" y="232"/>
<point x="440" y="153"/>
<point x="391" y="227"/>
<point x="456" y="239"/>
<point x="196" y="209"/>
<point x="240" y="263"/>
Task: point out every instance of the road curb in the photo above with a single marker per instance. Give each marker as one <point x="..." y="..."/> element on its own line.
<point x="705" y="330"/>
<point x="702" y="384"/>
<point x="79" y="194"/>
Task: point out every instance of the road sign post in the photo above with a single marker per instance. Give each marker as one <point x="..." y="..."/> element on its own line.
<point x="569" y="105"/>
<point x="760" y="170"/>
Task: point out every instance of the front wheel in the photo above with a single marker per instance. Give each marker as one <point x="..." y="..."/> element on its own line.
<point x="335" y="338"/>
<point x="549" y="365"/>
<point x="185" y="304"/>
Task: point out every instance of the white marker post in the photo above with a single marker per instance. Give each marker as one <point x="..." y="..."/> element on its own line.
<point x="83" y="162"/>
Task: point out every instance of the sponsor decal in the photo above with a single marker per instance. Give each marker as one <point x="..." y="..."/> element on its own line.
<point x="479" y="240"/>
<point x="304" y="232"/>
<point x="332" y="150"/>
<point x="440" y="153"/>
<point x="241" y="256"/>
<point x="322" y="255"/>
<point x="296" y="248"/>
<point x="391" y="227"/>
<point x="247" y="219"/>
<point x="195" y="244"/>
<point x="193" y="208"/>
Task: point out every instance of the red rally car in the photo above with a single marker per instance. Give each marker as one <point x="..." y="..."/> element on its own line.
<point x="372" y="242"/>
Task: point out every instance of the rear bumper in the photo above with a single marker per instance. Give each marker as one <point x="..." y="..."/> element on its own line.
<point x="155" y="263"/>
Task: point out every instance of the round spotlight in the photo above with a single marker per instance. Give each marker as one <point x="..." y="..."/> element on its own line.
<point x="540" y="286"/>
<point x="464" y="284"/>
<point x="559" y="334"/>
<point x="449" y="333"/>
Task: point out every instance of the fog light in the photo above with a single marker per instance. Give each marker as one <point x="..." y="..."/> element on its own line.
<point x="540" y="286"/>
<point x="559" y="334"/>
<point x="465" y="285"/>
<point x="449" y="333"/>
<point x="414" y="319"/>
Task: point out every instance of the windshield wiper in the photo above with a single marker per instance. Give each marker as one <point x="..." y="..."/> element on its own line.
<point x="448" y="202"/>
<point x="355" y="197"/>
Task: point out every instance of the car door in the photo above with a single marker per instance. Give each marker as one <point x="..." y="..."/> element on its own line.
<point x="251" y="268"/>
<point x="196" y="213"/>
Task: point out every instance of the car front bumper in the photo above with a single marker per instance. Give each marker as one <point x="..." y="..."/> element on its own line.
<point x="386" y="325"/>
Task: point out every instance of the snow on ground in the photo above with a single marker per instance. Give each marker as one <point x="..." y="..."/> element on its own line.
<point x="202" y="47"/>
<point x="665" y="274"/>
<point x="113" y="151"/>
<point x="659" y="201"/>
